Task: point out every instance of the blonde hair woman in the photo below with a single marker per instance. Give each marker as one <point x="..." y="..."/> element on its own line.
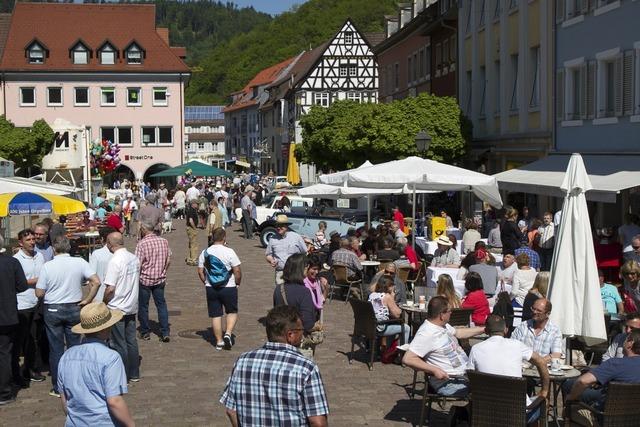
<point x="630" y="273"/>
<point x="538" y="290"/>
<point x="445" y="289"/>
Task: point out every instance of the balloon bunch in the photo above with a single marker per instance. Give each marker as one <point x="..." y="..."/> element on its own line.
<point x="104" y="156"/>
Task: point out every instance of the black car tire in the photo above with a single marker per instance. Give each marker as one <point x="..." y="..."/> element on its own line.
<point x="266" y="234"/>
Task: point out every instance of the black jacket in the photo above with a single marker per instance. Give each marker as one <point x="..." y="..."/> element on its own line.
<point x="12" y="281"/>
<point x="511" y="237"/>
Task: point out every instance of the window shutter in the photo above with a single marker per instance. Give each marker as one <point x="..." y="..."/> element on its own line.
<point x="582" y="110"/>
<point x="617" y="84"/>
<point x="591" y="90"/>
<point x="627" y="83"/>
<point x="560" y="95"/>
<point x="559" y="11"/>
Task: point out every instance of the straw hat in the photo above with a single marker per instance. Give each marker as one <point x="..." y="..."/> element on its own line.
<point x="444" y="241"/>
<point x="95" y="317"/>
<point x="282" y="220"/>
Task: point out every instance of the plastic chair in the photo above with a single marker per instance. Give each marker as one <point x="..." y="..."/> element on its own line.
<point x="499" y="400"/>
<point x="342" y="281"/>
<point x="621" y="408"/>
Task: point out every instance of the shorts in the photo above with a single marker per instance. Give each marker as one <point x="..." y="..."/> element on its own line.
<point x="222" y="297"/>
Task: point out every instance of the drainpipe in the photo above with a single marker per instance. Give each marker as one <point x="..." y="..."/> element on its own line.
<point x="4" y="96"/>
<point x="181" y="122"/>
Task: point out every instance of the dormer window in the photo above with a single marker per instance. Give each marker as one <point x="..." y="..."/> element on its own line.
<point x="108" y="54"/>
<point x="80" y="53"/>
<point x="36" y="53"/>
<point x="134" y="54"/>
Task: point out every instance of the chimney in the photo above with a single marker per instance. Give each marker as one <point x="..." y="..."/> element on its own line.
<point x="164" y="34"/>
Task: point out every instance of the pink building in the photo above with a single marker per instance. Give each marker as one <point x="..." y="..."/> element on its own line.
<point x="104" y="66"/>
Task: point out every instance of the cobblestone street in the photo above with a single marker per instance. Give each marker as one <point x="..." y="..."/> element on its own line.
<point x="182" y="380"/>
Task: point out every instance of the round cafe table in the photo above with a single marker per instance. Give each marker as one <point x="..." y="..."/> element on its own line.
<point x="411" y="310"/>
<point x="556" y="379"/>
<point x="369" y="265"/>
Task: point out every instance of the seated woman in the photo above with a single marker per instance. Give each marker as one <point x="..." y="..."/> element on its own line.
<point x="445" y="289"/>
<point x="476" y="299"/>
<point x="523" y="280"/>
<point x="466" y="262"/>
<point x="538" y="290"/>
<point x="294" y="293"/>
<point x="401" y="289"/>
<point x="385" y="308"/>
<point x="470" y="237"/>
<point x="317" y="285"/>
<point x="445" y="255"/>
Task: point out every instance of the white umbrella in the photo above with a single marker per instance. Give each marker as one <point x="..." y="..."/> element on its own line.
<point x="574" y="288"/>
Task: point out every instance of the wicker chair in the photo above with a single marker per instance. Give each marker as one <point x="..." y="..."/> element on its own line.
<point x="498" y="400"/>
<point x="415" y="278"/>
<point x="342" y="281"/>
<point x="621" y="408"/>
<point x="460" y="316"/>
<point x="429" y="396"/>
<point x="365" y="327"/>
<point x="403" y="273"/>
<point x="384" y="263"/>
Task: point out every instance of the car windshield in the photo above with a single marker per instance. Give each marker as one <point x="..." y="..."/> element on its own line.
<point x="267" y="200"/>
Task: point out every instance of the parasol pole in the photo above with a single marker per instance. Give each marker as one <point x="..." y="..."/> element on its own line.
<point x="413" y="223"/>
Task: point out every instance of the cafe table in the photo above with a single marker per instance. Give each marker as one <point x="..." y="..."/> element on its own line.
<point x="411" y="310"/>
<point x="557" y="378"/>
<point x="369" y="265"/>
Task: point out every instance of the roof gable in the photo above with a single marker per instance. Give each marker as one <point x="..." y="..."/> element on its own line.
<point x="59" y="26"/>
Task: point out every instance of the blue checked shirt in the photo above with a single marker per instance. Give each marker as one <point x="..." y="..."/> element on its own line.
<point x="275" y="385"/>
<point x="549" y="341"/>
<point x="534" y="258"/>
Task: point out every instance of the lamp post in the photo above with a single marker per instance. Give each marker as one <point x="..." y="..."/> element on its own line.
<point x="423" y="140"/>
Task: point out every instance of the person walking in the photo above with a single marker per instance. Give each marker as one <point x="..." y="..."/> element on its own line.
<point x="121" y="293"/>
<point x="60" y="283"/>
<point x="219" y="271"/>
<point x="99" y="260"/>
<point x="155" y="256"/>
<point x="12" y="282"/>
<point x="282" y="245"/>
<point x="247" y="206"/>
<point x="192" y="232"/>
<point x="92" y="378"/>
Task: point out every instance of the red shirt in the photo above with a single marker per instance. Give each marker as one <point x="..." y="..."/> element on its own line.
<point x="397" y="216"/>
<point x="411" y="255"/>
<point x="113" y="220"/>
<point x="480" y="305"/>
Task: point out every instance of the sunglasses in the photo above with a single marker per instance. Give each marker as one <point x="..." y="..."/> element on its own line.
<point x="635" y="248"/>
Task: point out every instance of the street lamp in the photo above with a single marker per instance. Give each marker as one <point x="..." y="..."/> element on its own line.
<point x="423" y="140"/>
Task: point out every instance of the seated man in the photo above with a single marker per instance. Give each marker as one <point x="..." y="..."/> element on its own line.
<point x="436" y="351"/>
<point x="488" y="272"/>
<point x="347" y="258"/>
<point x="539" y="333"/>
<point x="616" y="348"/>
<point x="624" y="370"/>
<point x="483" y="357"/>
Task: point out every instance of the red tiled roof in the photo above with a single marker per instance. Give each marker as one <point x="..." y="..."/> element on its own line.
<point x="264" y="77"/>
<point x="5" y="21"/>
<point x="58" y="26"/>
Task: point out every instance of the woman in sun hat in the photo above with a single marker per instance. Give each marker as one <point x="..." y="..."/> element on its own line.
<point x="91" y="376"/>
<point x="445" y="255"/>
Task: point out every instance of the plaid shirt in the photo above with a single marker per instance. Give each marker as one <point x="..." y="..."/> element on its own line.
<point x="549" y="341"/>
<point x="534" y="258"/>
<point x="275" y="385"/>
<point x="347" y="258"/>
<point x="153" y="252"/>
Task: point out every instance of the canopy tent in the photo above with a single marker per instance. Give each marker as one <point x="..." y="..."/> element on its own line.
<point x="419" y="174"/>
<point x="609" y="174"/>
<point x="194" y="168"/>
<point x="574" y="287"/>
<point x="26" y="203"/>
<point x="17" y="184"/>
<point x="293" y="172"/>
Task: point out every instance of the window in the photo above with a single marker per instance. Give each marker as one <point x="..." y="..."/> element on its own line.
<point x="421" y="71"/>
<point x="445" y="53"/>
<point x="427" y="61"/>
<point x="575" y="101"/>
<point x="36" y="53"/>
<point x="348" y="37"/>
<point x="396" y="76"/>
<point x="134" y="96"/>
<point x="409" y="69"/>
<point x="321" y="99"/>
<point x="160" y="96"/>
<point x="107" y="55"/>
<point x="134" y="54"/>
<point x="107" y="96"/>
<point x="54" y="96"/>
<point x="125" y="135"/>
<point x="353" y="70"/>
<point x="148" y="135"/>
<point x="453" y="54"/>
<point x="496" y="94"/>
<point x="534" y="64"/>
<point x="108" y="133"/>
<point x="344" y="70"/>
<point x="438" y="59"/>
<point x="81" y="96"/>
<point x="614" y="83"/>
<point x="80" y="54"/>
<point x="354" y="96"/>
<point x="165" y="135"/>
<point x="513" y="104"/>
<point x="27" y="96"/>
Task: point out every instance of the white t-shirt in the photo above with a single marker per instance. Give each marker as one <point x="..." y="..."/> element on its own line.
<point x="227" y="256"/>
<point x="99" y="260"/>
<point x="522" y="283"/>
<point x="499" y="356"/>
<point x="439" y="346"/>
<point x="123" y="272"/>
<point x="31" y="265"/>
<point x="192" y="194"/>
<point x="62" y="279"/>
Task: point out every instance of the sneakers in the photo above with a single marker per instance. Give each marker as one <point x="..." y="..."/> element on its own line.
<point x="53" y="392"/>
<point x="37" y="377"/>
<point x="229" y="341"/>
<point x="220" y="346"/>
<point x="165" y="338"/>
<point x="146" y="336"/>
<point x="7" y="401"/>
<point x="134" y="379"/>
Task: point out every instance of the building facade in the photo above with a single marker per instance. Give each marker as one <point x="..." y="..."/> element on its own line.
<point x="110" y="70"/>
<point x="204" y="134"/>
<point x="505" y="79"/>
<point x="419" y="52"/>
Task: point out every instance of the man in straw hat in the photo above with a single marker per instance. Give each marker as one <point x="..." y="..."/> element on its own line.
<point x="91" y="376"/>
<point x="445" y="255"/>
<point x="283" y="245"/>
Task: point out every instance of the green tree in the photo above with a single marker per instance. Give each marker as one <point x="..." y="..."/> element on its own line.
<point x="346" y="134"/>
<point x="24" y="146"/>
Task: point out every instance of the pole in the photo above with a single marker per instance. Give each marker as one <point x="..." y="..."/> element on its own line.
<point x="413" y="224"/>
<point x="368" y="211"/>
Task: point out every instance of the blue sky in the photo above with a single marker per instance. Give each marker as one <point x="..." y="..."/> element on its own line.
<point x="269" y="6"/>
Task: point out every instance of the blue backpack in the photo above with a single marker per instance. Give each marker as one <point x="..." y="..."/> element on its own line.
<point x="216" y="271"/>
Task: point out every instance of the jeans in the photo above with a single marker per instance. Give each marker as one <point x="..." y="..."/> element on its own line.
<point x="161" y="306"/>
<point x="546" y="256"/>
<point x="392" y="330"/>
<point x="25" y="344"/>
<point x="458" y="387"/>
<point x="6" y="344"/>
<point x="58" y="320"/>
<point x="123" y="340"/>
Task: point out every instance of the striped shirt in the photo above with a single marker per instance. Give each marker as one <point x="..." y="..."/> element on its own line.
<point x="275" y="385"/>
<point x="153" y="252"/>
<point x="549" y="341"/>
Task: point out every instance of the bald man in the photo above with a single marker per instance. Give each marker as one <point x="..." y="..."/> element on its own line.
<point x="121" y="293"/>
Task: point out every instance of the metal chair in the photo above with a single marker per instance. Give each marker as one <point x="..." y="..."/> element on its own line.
<point x="498" y="400"/>
<point x="621" y="408"/>
<point x="460" y="317"/>
<point x="342" y="281"/>
<point x="415" y="278"/>
<point x="429" y="396"/>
